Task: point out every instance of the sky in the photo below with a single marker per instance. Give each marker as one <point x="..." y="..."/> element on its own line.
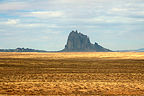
<point x="46" y="24"/>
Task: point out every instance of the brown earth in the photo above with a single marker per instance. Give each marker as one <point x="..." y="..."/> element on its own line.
<point x="86" y="73"/>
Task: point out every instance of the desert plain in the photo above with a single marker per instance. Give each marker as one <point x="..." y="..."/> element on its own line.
<point x="72" y="73"/>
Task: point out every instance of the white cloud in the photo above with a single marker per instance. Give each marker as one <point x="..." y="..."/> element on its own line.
<point x="117" y="19"/>
<point x="30" y="25"/>
<point x="13" y="6"/>
<point x="119" y="9"/>
<point x="106" y="20"/>
<point x="45" y="14"/>
<point x="12" y="21"/>
<point x="17" y="23"/>
<point x="22" y="25"/>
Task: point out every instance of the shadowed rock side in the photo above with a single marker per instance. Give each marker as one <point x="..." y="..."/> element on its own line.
<point x="78" y="42"/>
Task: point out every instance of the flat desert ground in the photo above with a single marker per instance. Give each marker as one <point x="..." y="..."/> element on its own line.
<point x="72" y="73"/>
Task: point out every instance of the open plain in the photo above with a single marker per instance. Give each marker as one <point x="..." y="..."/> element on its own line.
<point x="72" y="73"/>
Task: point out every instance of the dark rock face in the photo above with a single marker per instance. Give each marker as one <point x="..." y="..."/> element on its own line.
<point x="78" y="42"/>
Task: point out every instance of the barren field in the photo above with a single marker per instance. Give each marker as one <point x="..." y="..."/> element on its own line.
<point x="76" y="73"/>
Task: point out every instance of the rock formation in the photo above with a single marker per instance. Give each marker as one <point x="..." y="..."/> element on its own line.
<point x="78" y="42"/>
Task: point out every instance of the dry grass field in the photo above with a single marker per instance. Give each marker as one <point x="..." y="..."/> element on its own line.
<point x="87" y="73"/>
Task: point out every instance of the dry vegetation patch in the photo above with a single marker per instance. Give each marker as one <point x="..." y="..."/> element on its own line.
<point x="88" y="73"/>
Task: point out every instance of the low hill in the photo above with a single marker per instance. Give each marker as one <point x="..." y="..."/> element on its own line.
<point x="21" y="50"/>
<point x="137" y="50"/>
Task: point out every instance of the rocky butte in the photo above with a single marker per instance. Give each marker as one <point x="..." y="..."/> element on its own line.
<point x="78" y="42"/>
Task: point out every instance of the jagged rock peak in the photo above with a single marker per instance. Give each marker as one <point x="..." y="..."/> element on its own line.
<point x="78" y="42"/>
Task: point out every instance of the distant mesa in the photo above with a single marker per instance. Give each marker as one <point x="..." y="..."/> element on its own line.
<point x="78" y="42"/>
<point x="21" y="50"/>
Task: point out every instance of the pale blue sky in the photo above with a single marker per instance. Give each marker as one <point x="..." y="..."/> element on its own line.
<point x="45" y="24"/>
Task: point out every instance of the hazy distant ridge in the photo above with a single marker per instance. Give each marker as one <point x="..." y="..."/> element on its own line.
<point x="137" y="50"/>
<point x="21" y="50"/>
